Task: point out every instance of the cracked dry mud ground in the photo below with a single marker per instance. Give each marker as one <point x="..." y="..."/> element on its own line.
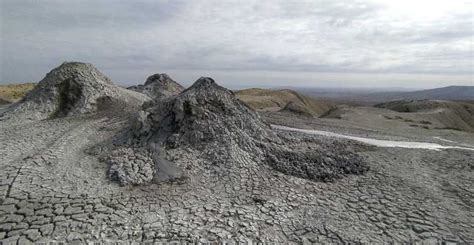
<point x="52" y="190"/>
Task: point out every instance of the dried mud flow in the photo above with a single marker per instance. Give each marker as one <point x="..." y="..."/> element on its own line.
<point x="202" y="166"/>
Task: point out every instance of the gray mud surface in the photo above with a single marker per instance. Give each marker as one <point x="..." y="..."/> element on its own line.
<point x="52" y="190"/>
<point x="100" y="165"/>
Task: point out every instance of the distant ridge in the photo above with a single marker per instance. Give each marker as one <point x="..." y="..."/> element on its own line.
<point x="446" y="114"/>
<point x="283" y="100"/>
<point x="444" y="93"/>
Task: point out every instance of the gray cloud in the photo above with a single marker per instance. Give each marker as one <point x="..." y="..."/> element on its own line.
<point x="132" y="39"/>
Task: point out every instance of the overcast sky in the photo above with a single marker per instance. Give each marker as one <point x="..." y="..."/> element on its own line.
<point x="321" y="43"/>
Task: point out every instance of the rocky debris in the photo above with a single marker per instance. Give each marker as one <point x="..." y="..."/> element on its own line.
<point x="159" y="86"/>
<point x="72" y="88"/>
<point x="208" y="119"/>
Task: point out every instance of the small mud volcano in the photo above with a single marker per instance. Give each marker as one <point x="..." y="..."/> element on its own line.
<point x="159" y="86"/>
<point x="206" y="128"/>
<point x="72" y="88"/>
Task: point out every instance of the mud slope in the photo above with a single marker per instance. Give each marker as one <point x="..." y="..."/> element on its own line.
<point x="284" y="100"/>
<point x="73" y="88"/>
<point x="446" y="114"/>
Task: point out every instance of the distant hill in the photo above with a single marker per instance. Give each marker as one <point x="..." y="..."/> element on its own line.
<point x="444" y="93"/>
<point x="283" y="100"/>
<point x="366" y="96"/>
<point x="13" y="92"/>
<point x="447" y="114"/>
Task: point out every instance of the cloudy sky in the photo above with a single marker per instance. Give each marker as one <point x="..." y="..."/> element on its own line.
<point x="320" y="43"/>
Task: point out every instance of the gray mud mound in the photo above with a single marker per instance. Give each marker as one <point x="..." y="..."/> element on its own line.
<point x="207" y="127"/>
<point x="159" y="86"/>
<point x="206" y="114"/>
<point x="73" y="88"/>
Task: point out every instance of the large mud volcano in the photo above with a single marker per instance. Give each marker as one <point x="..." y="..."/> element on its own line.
<point x="72" y="88"/>
<point x="207" y="128"/>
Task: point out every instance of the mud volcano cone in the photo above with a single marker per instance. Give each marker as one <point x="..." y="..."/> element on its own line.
<point x="204" y="113"/>
<point x="207" y="127"/>
<point x="72" y="88"/>
<point x="205" y="117"/>
<point x="159" y="86"/>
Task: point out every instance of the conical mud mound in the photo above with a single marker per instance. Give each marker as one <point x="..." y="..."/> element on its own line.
<point x="72" y="88"/>
<point x="207" y="127"/>
<point x="204" y="113"/>
<point x="159" y="86"/>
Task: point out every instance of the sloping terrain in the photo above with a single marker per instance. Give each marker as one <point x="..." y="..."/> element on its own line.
<point x="53" y="191"/>
<point x="72" y="88"/>
<point x="13" y="92"/>
<point x="444" y="93"/>
<point x="447" y="114"/>
<point x="202" y="166"/>
<point x="4" y="102"/>
<point x="285" y="100"/>
<point x="159" y="86"/>
<point x="371" y="96"/>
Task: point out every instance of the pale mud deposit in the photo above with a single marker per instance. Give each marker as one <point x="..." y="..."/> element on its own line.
<point x="199" y="165"/>
<point x="377" y="142"/>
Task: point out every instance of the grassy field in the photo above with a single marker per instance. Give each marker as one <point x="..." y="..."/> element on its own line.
<point x="14" y="92"/>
